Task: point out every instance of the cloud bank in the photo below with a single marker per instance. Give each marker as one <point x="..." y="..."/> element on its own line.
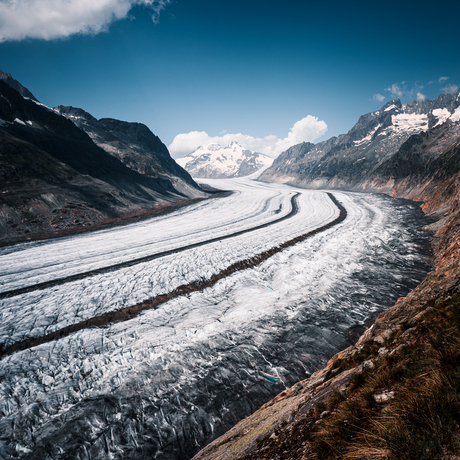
<point x="51" y="19"/>
<point x="421" y="97"/>
<point x="306" y="130"/>
<point x="378" y="97"/>
<point x="396" y="90"/>
<point x="410" y="91"/>
<point x="450" y="89"/>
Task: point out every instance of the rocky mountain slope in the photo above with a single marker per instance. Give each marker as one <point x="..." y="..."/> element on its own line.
<point x="347" y="161"/>
<point x="132" y="143"/>
<point x="394" y="394"/>
<point x="9" y="80"/>
<point x="216" y="162"/>
<point x="56" y="180"/>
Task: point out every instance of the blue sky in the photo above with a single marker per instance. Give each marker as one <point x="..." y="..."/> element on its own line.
<point x="210" y="69"/>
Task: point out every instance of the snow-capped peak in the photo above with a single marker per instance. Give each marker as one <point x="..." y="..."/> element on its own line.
<point x="213" y="147"/>
<point x="215" y="161"/>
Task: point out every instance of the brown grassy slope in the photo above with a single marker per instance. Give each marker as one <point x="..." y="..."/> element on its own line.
<point x="395" y="394"/>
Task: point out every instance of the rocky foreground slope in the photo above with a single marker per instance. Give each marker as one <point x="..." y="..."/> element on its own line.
<point x="55" y="180"/>
<point x="394" y="394"/>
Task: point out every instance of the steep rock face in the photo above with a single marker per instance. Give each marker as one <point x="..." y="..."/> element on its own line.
<point x="349" y="160"/>
<point x="132" y="143"/>
<point x="216" y="162"/>
<point x="426" y="158"/>
<point x="54" y="179"/>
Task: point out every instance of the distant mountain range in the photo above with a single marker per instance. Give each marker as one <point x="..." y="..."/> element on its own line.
<point x="54" y="179"/>
<point x="216" y="162"/>
<point x="363" y="158"/>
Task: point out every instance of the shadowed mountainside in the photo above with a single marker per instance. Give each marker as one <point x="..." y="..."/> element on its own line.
<point x="10" y="81"/>
<point x="56" y="180"/>
<point x="132" y="143"/>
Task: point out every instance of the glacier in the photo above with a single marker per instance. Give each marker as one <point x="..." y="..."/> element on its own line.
<point x="164" y="383"/>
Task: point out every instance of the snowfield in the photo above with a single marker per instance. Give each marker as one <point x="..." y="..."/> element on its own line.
<point x="166" y="382"/>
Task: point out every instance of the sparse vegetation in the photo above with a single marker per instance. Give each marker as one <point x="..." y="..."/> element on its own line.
<point x="406" y="408"/>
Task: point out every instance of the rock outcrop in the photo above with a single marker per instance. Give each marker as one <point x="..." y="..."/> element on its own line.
<point x="132" y="143"/>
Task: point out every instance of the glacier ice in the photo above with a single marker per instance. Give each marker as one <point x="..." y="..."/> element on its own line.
<point x="166" y="382"/>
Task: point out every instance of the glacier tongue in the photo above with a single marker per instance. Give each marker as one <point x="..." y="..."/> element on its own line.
<point x="166" y="382"/>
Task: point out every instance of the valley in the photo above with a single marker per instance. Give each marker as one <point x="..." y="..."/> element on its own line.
<point x="166" y="382"/>
<point x="153" y="338"/>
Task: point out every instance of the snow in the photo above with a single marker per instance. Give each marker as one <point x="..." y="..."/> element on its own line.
<point x="169" y="377"/>
<point x="410" y="122"/>
<point x="391" y="107"/>
<point x="132" y="285"/>
<point x="17" y="120"/>
<point x="40" y="104"/>
<point x="442" y="115"/>
<point x="368" y="138"/>
<point x="225" y="160"/>
<point x="3" y="122"/>
<point x="456" y="115"/>
<point x="212" y="147"/>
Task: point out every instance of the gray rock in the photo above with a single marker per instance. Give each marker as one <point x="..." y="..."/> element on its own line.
<point x="352" y="161"/>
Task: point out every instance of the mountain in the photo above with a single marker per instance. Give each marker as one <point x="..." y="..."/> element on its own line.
<point x="55" y="180"/>
<point x="347" y="161"/>
<point x="132" y="143"/>
<point x="9" y="80"/>
<point x="216" y="162"/>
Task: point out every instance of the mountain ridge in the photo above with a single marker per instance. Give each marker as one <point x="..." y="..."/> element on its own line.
<point x="132" y="143"/>
<point x="347" y="160"/>
<point x="10" y="81"/>
<point x="216" y="162"/>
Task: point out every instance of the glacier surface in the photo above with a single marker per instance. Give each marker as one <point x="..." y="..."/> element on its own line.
<point x="163" y="384"/>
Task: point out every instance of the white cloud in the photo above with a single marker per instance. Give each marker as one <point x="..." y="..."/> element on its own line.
<point x="51" y="19"/>
<point x="307" y="129"/>
<point x="441" y="79"/>
<point x="378" y="97"/>
<point x="405" y="90"/>
<point x="396" y="90"/>
<point x="451" y="89"/>
<point x="421" y="97"/>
